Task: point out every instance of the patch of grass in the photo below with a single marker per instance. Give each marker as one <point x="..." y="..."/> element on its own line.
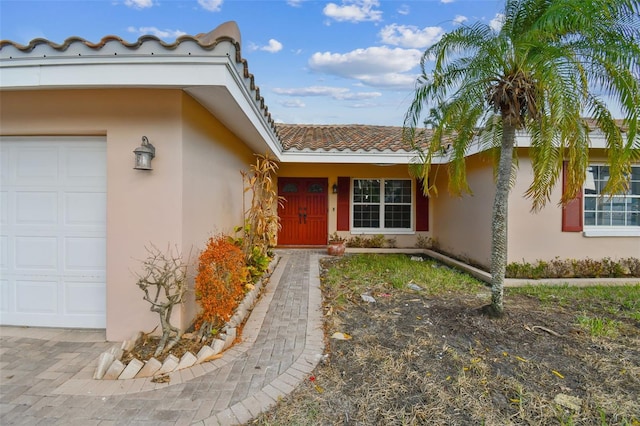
<point x="619" y="300"/>
<point x="360" y="273"/>
<point x="598" y="326"/>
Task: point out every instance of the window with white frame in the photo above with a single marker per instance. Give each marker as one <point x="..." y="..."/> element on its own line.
<point x="382" y="204"/>
<point x="603" y="210"/>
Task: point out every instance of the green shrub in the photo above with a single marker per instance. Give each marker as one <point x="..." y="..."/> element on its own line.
<point x="575" y="268"/>
<point x="425" y="242"/>
<point x="376" y="241"/>
<point x="357" y="242"/>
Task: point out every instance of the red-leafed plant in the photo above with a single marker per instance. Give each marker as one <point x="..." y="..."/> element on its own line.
<point x="220" y="283"/>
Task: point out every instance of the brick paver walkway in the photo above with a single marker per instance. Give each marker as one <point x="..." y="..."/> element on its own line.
<point x="49" y="381"/>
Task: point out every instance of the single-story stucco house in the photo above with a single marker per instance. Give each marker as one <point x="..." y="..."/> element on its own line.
<point x="76" y="216"/>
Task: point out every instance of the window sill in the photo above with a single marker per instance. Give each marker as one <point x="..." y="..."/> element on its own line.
<point x="356" y="232"/>
<point x="611" y="232"/>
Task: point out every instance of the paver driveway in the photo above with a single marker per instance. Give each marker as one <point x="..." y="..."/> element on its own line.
<point x="45" y="375"/>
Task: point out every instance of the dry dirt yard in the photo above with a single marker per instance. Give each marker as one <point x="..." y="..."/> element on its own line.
<point x="431" y="357"/>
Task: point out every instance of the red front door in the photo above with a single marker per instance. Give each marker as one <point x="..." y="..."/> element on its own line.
<point x="303" y="215"/>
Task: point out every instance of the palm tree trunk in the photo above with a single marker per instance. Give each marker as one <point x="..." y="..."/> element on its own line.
<point x="499" y="220"/>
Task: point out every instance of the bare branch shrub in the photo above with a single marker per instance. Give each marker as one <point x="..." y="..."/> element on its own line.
<point x="164" y="283"/>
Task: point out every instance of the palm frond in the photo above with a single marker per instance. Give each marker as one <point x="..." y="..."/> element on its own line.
<point x="546" y="67"/>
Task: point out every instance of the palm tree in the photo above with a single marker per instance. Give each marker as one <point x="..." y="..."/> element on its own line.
<point x="541" y="72"/>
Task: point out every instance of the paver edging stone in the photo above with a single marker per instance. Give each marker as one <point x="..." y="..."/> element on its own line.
<point x="110" y="361"/>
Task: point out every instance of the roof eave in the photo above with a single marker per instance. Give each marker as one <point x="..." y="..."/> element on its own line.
<point x="350" y="157"/>
<point x="217" y="81"/>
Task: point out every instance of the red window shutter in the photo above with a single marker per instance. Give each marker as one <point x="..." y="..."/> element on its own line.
<point x="344" y="192"/>
<point x="422" y="208"/>
<point x="571" y="213"/>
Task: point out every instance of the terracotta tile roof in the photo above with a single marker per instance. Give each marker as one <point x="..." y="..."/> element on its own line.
<point x="226" y="32"/>
<point x="591" y="123"/>
<point x="357" y="138"/>
<point x="352" y="137"/>
<point x="294" y="137"/>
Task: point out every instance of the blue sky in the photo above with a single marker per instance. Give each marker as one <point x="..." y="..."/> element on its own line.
<point x="316" y="62"/>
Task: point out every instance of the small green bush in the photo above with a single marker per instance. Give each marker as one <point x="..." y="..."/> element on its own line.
<point x="375" y="241"/>
<point x="356" y="242"/>
<point x="425" y="242"/>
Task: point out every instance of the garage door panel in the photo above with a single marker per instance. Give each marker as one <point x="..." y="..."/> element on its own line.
<point x="4" y="208"/>
<point x="82" y="298"/>
<point x="37" y="208"/>
<point x="36" y="297"/>
<point x="53" y="236"/>
<point x="4" y="163"/>
<point x="85" y="162"/>
<point x="85" y="253"/>
<point x="4" y="252"/>
<point x="37" y="164"/>
<point x="5" y="296"/>
<point x="39" y="253"/>
<point x="85" y="208"/>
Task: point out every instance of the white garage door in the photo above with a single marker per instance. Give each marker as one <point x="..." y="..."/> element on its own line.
<point x="53" y="232"/>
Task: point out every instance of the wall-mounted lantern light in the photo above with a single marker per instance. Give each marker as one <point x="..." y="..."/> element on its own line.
<point x="334" y="188"/>
<point x="144" y="155"/>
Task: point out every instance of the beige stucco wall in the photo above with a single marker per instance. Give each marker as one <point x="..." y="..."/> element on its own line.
<point x="212" y="185"/>
<point x="365" y="171"/>
<point x="187" y="196"/>
<point x="462" y="225"/>
<point x="534" y="236"/>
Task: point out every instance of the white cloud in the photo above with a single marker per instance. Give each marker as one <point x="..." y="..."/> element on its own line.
<point x="372" y="60"/>
<point x="338" y="93"/>
<point x="138" y="4"/>
<point x="359" y="96"/>
<point x="273" y="46"/>
<point x="404" y="9"/>
<point x="295" y="3"/>
<point x="362" y="105"/>
<point x="292" y="103"/>
<point x="163" y="34"/>
<point x="390" y="80"/>
<point x="497" y="22"/>
<point x="311" y="91"/>
<point x="374" y="66"/>
<point x="410" y="36"/>
<point x="446" y="1"/>
<point x="459" y="19"/>
<point x="211" y="5"/>
<point x="353" y="11"/>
